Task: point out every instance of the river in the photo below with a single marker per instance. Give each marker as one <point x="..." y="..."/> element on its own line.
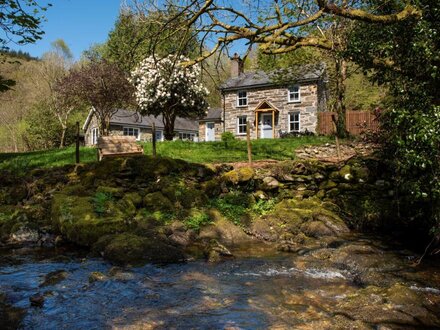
<point x="258" y="289"/>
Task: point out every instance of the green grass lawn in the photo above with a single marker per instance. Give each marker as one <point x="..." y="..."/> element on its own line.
<point x="203" y="152"/>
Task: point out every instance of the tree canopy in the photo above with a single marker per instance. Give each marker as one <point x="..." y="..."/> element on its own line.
<point x="99" y="85"/>
<point x="164" y="87"/>
<point x="140" y="34"/>
<point x="20" y="23"/>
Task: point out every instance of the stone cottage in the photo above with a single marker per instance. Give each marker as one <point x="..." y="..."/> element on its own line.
<point x="284" y="101"/>
<point x="125" y="122"/>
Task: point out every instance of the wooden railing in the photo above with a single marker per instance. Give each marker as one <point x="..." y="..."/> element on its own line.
<point x="356" y="122"/>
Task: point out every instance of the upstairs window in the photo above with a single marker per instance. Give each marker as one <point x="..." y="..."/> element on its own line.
<point x="242" y="100"/>
<point x="130" y="131"/>
<point x="294" y="94"/>
<point x="241" y="125"/>
<point x="294" y="122"/>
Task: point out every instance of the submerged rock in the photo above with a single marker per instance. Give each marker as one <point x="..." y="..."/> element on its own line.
<point x="97" y="277"/>
<point x="54" y="277"/>
<point x="217" y="252"/>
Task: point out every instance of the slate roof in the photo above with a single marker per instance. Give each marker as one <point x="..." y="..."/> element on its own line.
<point x="213" y="114"/>
<point x="131" y="118"/>
<point x="296" y="74"/>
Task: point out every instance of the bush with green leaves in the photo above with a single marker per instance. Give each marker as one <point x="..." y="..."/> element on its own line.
<point x="197" y="220"/>
<point x="228" y="137"/>
<point x="405" y="57"/>
<point x="100" y="202"/>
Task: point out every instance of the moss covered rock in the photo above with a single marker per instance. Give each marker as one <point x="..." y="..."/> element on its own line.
<point x="307" y="217"/>
<point x="223" y="230"/>
<point x="156" y="201"/>
<point x="76" y="219"/>
<point x="129" y="248"/>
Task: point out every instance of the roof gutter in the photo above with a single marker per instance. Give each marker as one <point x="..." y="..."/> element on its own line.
<point x="237" y="88"/>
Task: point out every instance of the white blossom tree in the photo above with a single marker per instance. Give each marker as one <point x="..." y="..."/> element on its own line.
<point x="166" y="87"/>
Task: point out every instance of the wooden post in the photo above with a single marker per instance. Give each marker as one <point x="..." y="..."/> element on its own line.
<point x="77" y="143"/>
<point x="248" y="138"/>
<point x="338" y="150"/>
<point x="273" y="124"/>
<point x="154" y="139"/>
<point x="256" y="124"/>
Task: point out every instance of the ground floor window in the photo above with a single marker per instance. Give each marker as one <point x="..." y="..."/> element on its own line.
<point x="159" y="136"/>
<point x="294" y="125"/>
<point x="95" y="135"/>
<point x="241" y="125"/>
<point x="130" y="131"/>
<point x="186" y="136"/>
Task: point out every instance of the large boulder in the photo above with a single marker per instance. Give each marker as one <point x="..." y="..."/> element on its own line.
<point x="223" y="231"/>
<point x="133" y="249"/>
<point x="77" y="218"/>
<point x="308" y="218"/>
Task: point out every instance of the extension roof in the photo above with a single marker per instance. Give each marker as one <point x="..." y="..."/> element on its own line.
<point x="130" y="118"/>
<point x="213" y="114"/>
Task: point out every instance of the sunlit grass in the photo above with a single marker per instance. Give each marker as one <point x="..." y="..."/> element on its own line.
<point x="202" y="152"/>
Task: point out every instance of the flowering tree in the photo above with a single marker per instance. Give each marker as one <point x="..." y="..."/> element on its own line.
<point x="168" y="88"/>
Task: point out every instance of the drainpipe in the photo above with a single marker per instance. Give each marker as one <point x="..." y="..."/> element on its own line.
<point x="224" y="111"/>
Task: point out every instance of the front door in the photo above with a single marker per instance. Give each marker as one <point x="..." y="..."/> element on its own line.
<point x="210" y="132"/>
<point x="266" y="126"/>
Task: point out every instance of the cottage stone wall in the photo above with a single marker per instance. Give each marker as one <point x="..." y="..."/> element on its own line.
<point x="308" y="106"/>
<point x="218" y="126"/>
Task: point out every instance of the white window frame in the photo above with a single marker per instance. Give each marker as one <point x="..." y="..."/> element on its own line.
<point x="138" y="136"/>
<point x="294" y="121"/>
<point x="245" y="98"/>
<point x="291" y="92"/>
<point x="188" y="136"/>
<point x="241" y="125"/>
<point x="94" y="135"/>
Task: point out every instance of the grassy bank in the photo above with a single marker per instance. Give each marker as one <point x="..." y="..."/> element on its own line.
<point x="206" y="152"/>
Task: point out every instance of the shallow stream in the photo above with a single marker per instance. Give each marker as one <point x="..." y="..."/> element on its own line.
<point x="255" y="290"/>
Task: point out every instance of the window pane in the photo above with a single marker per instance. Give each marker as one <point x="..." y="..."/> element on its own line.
<point x="241" y="122"/>
<point x="294" y="93"/>
<point x="242" y="98"/>
<point x="294" y="120"/>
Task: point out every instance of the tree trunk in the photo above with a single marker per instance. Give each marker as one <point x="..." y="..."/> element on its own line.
<point x="168" y="123"/>
<point x="63" y="136"/>
<point x="341" y="77"/>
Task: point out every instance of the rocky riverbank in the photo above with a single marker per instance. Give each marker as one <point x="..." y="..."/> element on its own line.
<point x="141" y="209"/>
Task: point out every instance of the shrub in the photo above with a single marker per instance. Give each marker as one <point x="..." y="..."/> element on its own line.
<point x="100" y="201"/>
<point x="197" y="220"/>
<point x="228" y="138"/>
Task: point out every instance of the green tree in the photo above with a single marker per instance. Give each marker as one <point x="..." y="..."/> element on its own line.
<point x="20" y="22"/>
<point x="406" y="58"/>
<point x="137" y="35"/>
<point x="53" y="67"/>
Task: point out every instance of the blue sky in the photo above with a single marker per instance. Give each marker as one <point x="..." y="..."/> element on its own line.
<point x="80" y="23"/>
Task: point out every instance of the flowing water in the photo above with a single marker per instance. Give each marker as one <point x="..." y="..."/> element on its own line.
<point x="260" y="291"/>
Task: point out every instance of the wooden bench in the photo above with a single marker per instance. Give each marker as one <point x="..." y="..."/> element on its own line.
<point x="115" y="146"/>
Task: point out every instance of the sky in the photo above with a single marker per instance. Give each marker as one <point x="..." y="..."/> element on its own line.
<point x="80" y="23"/>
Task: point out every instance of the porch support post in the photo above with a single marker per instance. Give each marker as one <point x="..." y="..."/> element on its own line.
<point x="256" y="124"/>
<point x="273" y="124"/>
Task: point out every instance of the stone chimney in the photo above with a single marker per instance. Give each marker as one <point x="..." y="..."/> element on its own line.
<point x="236" y="66"/>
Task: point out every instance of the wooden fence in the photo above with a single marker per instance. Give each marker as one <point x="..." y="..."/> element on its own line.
<point x="356" y="122"/>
